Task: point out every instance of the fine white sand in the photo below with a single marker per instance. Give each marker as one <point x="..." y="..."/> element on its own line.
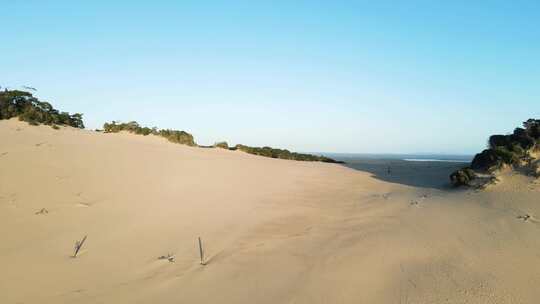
<point x="274" y="231"/>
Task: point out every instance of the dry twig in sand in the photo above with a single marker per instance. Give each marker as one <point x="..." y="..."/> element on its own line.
<point x="78" y="246"/>
<point x="201" y="252"/>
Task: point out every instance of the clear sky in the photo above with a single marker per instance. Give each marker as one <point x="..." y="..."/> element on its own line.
<point x="333" y="76"/>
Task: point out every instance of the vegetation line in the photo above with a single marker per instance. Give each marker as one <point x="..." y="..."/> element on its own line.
<point x="22" y="104"/>
<point x="28" y="108"/>
<point x="185" y="138"/>
<point x="179" y="137"/>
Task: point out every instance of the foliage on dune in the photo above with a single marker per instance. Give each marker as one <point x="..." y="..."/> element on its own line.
<point x="515" y="150"/>
<point x="175" y="136"/>
<point x="462" y="177"/>
<point x="283" y="154"/>
<point x="132" y="127"/>
<point x="222" y="145"/>
<point x="26" y="107"/>
<point x="512" y="149"/>
<point x="185" y="138"/>
<point x="22" y="104"/>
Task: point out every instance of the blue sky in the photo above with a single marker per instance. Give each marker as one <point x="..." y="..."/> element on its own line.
<point x="333" y="76"/>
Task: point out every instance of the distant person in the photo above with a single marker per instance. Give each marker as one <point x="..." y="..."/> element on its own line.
<point x="389" y="171"/>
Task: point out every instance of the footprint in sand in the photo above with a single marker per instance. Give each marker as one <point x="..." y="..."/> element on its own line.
<point x="40" y="144"/>
<point x="169" y="257"/>
<point x="417" y="202"/>
<point x="82" y="202"/>
<point x="42" y="211"/>
<point x="524" y="217"/>
<point x="11" y="200"/>
<point x="3" y="153"/>
<point x="528" y="218"/>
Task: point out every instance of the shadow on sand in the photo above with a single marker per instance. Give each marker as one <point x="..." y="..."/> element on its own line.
<point x="424" y="174"/>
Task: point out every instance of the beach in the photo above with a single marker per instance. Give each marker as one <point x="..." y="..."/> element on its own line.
<point x="272" y="230"/>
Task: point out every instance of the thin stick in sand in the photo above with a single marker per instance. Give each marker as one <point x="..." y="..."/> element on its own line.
<point x="201" y="252"/>
<point x="78" y="246"/>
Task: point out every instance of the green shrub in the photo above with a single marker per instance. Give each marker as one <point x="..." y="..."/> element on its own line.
<point x="222" y="145"/>
<point x="504" y="150"/>
<point x="283" y="154"/>
<point x="28" y="108"/>
<point x="498" y="141"/>
<point x="132" y="127"/>
<point x="533" y="128"/>
<point x="520" y="137"/>
<point x="462" y="177"/>
<point x="507" y="156"/>
<point x="180" y="137"/>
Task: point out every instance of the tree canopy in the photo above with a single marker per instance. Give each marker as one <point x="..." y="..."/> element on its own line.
<point x="175" y="136"/>
<point x="21" y="104"/>
<point x="509" y="149"/>
<point x="283" y="154"/>
<point x="512" y="149"/>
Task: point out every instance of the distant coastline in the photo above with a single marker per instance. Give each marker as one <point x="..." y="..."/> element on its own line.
<point x="436" y="160"/>
<point x="417" y="170"/>
<point x="450" y="158"/>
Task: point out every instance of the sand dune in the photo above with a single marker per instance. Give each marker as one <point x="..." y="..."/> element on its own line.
<point x="274" y="231"/>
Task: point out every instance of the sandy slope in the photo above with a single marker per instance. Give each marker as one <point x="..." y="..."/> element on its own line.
<point x="275" y="231"/>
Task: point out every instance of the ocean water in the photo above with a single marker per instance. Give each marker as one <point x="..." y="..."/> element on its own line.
<point x="436" y="160"/>
<point x="417" y="170"/>
<point x="404" y="157"/>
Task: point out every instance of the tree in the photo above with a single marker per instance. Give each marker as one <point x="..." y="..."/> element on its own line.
<point x="26" y="107"/>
